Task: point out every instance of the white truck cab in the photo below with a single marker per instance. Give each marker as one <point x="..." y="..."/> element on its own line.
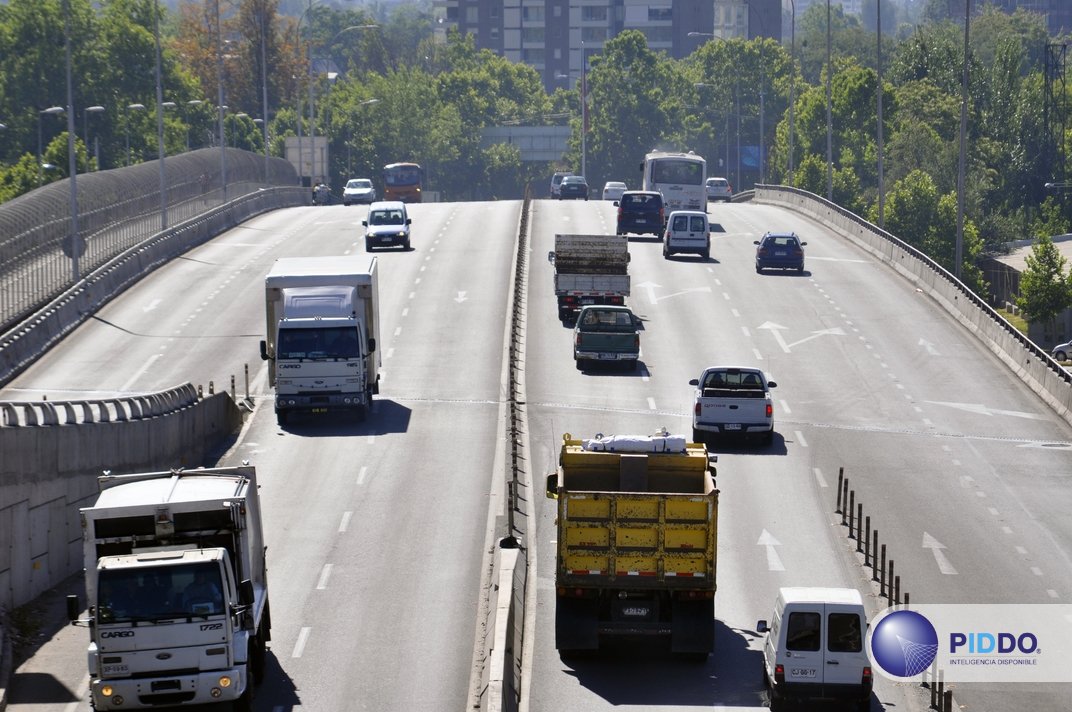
<point x="814" y="647"/>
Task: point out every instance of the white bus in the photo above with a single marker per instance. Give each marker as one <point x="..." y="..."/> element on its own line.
<point x="680" y="177"/>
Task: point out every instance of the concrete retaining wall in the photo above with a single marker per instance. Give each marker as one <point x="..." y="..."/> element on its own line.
<point x="48" y="471"/>
<point x="1033" y="365"/>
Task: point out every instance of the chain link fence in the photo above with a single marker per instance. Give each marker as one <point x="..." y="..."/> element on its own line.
<point x="117" y="209"/>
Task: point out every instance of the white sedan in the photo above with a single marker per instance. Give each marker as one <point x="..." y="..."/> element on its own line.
<point x="613" y="190"/>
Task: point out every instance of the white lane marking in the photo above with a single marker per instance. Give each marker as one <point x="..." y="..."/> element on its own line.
<point x="325" y="574"/>
<point x="1051" y="593"/>
<point x="929" y="542"/>
<point x="800" y="438"/>
<point x="371" y="439"/>
<point x="746" y="332"/>
<point x="767" y="540"/>
<point x="819" y="476"/>
<point x="1036" y="570"/>
<point x="917" y="409"/>
<point x="460" y="298"/>
<point x="726" y="296"/>
<point x="417" y="281"/>
<point x="980" y="409"/>
<point x="412" y="295"/>
<point x="1007" y="530"/>
<point x="735" y="313"/>
<point x="785" y="407"/>
<point x="405" y="312"/>
<point x="956" y="462"/>
<point x="651" y="404"/>
<point x="980" y="493"/>
<point x="345" y="523"/>
<point x="140" y="372"/>
<point x="299" y="646"/>
<point x="758" y="355"/>
<point x="929" y="347"/>
<point x="398" y="330"/>
<point x="361" y="475"/>
<point x="1021" y="551"/>
<point x="151" y="306"/>
<point x="389" y="353"/>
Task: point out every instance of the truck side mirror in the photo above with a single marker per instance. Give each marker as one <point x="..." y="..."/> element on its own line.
<point x="552" y="486"/>
<point x="762" y="627"/>
<point x="371" y="345"/>
<point x="365" y="223"/>
<point x="551" y="256"/>
<point x="264" y="350"/>
<point x="694" y="382"/>
<point x="410" y="220"/>
<point x="245" y="593"/>
<point x="771" y="384"/>
<point x="72" y="608"/>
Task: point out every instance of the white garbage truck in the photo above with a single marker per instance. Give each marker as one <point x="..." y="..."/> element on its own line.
<point x="177" y="589"/>
<point x="323" y="325"/>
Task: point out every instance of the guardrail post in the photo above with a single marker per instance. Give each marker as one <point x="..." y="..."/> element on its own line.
<point x="882" y="576"/>
<point x="840" y="484"/>
<point x="234" y="394"/>
<point x="889" y="586"/>
<point x="211" y="388"/>
<point x="246" y="369"/>
<point x="867" y="541"/>
<point x="852" y="508"/>
<point x="859" y="526"/>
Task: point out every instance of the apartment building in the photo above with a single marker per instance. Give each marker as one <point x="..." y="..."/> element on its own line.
<point x="556" y="36"/>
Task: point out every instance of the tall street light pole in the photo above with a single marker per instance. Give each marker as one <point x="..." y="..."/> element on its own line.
<point x="75" y="239"/>
<point x="219" y="103"/>
<point x="160" y="119"/>
<point x="792" y="79"/>
<point x="829" y="122"/>
<point x="959" y="251"/>
<point x="264" y="91"/>
<point x="40" y="149"/>
<point x="881" y="178"/>
<point x="130" y="107"/>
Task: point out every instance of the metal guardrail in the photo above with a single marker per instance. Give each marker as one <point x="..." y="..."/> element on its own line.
<point x="107" y="410"/>
<point x="117" y="210"/>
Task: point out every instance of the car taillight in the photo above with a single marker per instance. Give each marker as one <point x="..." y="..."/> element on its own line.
<point x="636" y="341"/>
<point x="577" y="339"/>
<point x="779" y="674"/>
<point x="770" y="410"/>
<point x="867" y="675"/>
<point x="762" y="251"/>
<point x="697" y="408"/>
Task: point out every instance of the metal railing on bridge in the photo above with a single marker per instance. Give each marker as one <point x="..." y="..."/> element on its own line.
<point x="117" y="209"/>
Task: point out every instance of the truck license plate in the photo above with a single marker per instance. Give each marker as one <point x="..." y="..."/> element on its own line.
<point x="733" y="426"/>
<point x="318" y="410"/>
<point x="588" y="300"/>
<point x="636" y="611"/>
<point x="802" y="672"/>
<point x="115" y="669"/>
<point x="608" y="357"/>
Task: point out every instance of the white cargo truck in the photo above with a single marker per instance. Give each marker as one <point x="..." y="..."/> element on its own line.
<point x="177" y="589"/>
<point x="323" y="324"/>
<point x="589" y="269"/>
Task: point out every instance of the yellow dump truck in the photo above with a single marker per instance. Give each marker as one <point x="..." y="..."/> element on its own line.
<point x="637" y="523"/>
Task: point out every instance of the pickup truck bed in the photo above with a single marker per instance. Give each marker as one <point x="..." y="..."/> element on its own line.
<point x="732" y="401"/>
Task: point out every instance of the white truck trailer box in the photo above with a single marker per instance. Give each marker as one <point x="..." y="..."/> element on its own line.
<point x="177" y="589"/>
<point x="322" y="328"/>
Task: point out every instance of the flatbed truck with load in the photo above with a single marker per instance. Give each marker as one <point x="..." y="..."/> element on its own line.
<point x="637" y="531"/>
<point x="322" y="326"/>
<point x="177" y="589"/>
<point x="589" y="269"/>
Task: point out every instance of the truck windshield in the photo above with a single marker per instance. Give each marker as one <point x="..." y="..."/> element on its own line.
<point x="334" y="342"/>
<point x="146" y="594"/>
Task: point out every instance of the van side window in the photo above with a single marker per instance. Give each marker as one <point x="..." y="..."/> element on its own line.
<point x="802" y="632"/>
<point x="844" y="630"/>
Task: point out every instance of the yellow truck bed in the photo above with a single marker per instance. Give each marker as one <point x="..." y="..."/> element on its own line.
<point x="637" y="520"/>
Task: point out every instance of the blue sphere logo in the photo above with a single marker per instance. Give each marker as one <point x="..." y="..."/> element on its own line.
<point x="904" y="643"/>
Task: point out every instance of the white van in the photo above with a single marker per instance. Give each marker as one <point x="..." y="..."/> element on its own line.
<point x="814" y="647"/>
<point x="687" y="231"/>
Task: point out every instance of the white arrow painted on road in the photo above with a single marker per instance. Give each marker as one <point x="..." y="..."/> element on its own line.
<point x="777" y="329"/>
<point x="460" y="298"/>
<point x="774" y="563"/>
<point x="929" y="346"/>
<point x="980" y="409"/>
<point x="816" y="334"/>
<point x="152" y="305"/>
<point x="936" y="547"/>
<point x="650" y="287"/>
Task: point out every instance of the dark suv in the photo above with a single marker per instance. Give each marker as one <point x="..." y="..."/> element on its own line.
<point x="640" y="212"/>
<point x="780" y="251"/>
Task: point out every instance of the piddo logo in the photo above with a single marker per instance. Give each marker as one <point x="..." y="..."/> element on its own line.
<point x="904" y="643"/>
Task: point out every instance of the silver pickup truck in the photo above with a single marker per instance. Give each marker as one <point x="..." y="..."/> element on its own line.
<point x="606" y="333"/>
<point x="733" y="401"/>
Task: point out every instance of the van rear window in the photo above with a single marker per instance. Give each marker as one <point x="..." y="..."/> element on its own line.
<point x="844" y="633"/>
<point x="803" y="631"/>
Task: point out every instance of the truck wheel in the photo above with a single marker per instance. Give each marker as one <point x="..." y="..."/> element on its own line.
<point x="698" y="436"/>
<point x="768" y="437"/>
<point x="281" y="417"/>
<point x="706" y="253"/>
<point x="257" y="654"/>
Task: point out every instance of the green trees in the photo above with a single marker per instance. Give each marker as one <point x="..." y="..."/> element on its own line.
<point x="1045" y="287"/>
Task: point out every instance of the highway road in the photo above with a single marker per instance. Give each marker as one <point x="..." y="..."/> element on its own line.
<point x="377" y="530"/>
<point x="942" y="444"/>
